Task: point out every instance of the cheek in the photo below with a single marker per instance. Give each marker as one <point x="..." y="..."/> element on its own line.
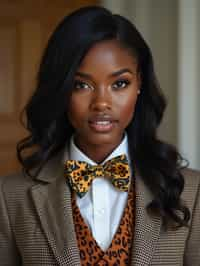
<point x="128" y="109"/>
<point x="76" y="111"/>
<point x="72" y="113"/>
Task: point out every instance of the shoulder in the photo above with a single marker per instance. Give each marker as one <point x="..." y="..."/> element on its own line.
<point x="191" y="197"/>
<point x="16" y="179"/>
<point x="191" y="192"/>
<point x="191" y="178"/>
<point x="15" y="185"/>
<point x="18" y="186"/>
<point x="188" y="172"/>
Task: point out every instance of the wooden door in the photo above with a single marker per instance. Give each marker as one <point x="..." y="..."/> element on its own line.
<point x="25" y="26"/>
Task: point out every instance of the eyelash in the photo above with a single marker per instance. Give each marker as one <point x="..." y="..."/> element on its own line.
<point x="78" y="85"/>
<point x="121" y="83"/>
<point x="124" y="83"/>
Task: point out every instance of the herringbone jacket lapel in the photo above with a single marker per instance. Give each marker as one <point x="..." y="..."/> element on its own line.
<point x="147" y="228"/>
<point x="53" y="205"/>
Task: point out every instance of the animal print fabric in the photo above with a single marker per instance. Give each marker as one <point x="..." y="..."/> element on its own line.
<point x="80" y="174"/>
<point x="119" y="251"/>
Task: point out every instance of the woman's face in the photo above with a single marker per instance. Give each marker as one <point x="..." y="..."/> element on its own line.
<point x="103" y="99"/>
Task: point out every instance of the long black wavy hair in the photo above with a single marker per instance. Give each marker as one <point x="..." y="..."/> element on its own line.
<point x="158" y="163"/>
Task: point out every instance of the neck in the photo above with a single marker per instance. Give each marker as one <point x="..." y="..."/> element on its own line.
<point x="97" y="153"/>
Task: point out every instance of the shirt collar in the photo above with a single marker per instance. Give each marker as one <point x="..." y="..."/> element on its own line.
<point x="75" y="153"/>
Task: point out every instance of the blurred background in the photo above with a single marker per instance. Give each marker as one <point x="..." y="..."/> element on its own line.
<point x="170" y="27"/>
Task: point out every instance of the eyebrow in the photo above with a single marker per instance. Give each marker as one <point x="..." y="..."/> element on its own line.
<point x="114" y="74"/>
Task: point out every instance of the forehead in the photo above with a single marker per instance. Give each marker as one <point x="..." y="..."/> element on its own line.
<point x="108" y="54"/>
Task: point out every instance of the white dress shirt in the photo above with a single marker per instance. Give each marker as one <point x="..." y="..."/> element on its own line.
<point x="102" y="207"/>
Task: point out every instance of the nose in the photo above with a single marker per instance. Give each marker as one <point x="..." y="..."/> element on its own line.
<point x="101" y="99"/>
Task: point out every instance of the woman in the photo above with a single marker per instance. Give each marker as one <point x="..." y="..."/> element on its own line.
<point x="98" y="186"/>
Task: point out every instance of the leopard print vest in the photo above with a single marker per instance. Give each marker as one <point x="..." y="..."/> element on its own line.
<point x="119" y="251"/>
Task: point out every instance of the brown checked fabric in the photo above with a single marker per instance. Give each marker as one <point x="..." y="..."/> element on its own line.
<point x="119" y="252"/>
<point x="37" y="226"/>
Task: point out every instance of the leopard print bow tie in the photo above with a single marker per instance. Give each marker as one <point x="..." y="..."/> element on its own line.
<point x="80" y="174"/>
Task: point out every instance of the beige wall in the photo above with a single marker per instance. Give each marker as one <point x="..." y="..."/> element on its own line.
<point x="188" y="80"/>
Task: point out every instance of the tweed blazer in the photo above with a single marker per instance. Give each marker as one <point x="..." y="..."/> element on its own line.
<point x="36" y="223"/>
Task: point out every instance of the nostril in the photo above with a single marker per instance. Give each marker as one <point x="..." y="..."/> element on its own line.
<point x="100" y="105"/>
<point x="101" y="99"/>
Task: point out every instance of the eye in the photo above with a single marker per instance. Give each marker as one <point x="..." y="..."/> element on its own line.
<point x="81" y="85"/>
<point x="122" y="83"/>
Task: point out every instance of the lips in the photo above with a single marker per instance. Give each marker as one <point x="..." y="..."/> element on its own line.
<point x="102" y="124"/>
